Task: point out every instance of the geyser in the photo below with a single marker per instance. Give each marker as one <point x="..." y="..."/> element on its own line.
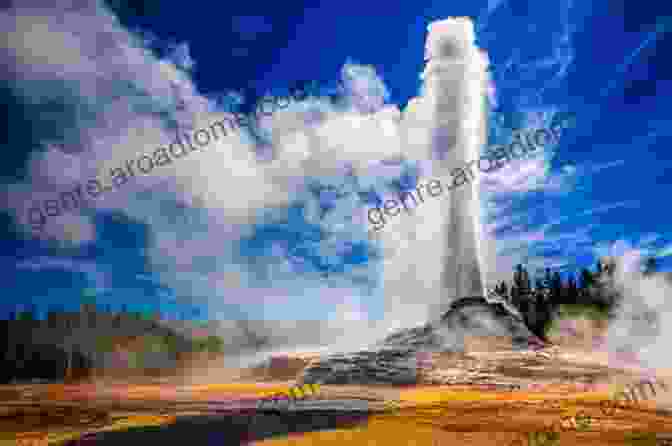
<point x="448" y="121"/>
<point x="453" y="109"/>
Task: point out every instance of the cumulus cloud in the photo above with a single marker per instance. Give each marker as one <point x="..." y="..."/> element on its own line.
<point x="124" y="87"/>
<point x="130" y="102"/>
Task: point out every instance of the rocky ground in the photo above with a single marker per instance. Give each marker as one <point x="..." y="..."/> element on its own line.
<point x="466" y="397"/>
<point x="414" y="387"/>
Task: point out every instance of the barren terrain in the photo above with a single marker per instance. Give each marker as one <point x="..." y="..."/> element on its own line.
<point x="463" y="399"/>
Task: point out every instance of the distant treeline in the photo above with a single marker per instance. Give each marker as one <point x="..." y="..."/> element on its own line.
<point x="538" y="302"/>
<point x="77" y="345"/>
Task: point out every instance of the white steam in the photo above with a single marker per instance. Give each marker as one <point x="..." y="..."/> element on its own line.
<point x="644" y="315"/>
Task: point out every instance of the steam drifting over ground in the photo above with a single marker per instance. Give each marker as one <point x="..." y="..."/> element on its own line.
<point x="633" y="330"/>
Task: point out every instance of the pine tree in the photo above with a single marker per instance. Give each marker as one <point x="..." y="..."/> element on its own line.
<point x="548" y="279"/>
<point x="650" y="266"/>
<point x="501" y="290"/>
<point x="523" y="287"/>
<point x="538" y="313"/>
<point x="517" y="287"/>
<point x="586" y="279"/>
<point x="505" y="290"/>
<point x="513" y="295"/>
<point x="29" y="314"/>
<point x="556" y="289"/>
<point x="51" y="316"/>
<point x="522" y="296"/>
<point x="586" y="290"/>
<point x="572" y="290"/>
<point x="527" y="285"/>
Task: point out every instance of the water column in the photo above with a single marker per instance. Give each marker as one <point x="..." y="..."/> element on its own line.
<point x="455" y="92"/>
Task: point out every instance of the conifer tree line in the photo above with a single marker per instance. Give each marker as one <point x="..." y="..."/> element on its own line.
<point x="59" y="344"/>
<point x="539" y="298"/>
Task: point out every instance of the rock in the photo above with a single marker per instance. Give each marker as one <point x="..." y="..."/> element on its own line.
<point x="402" y="358"/>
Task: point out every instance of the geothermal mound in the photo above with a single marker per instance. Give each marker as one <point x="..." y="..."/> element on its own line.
<point x="395" y="360"/>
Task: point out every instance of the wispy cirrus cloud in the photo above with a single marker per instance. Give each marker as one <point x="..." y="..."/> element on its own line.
<point x="518" y="235"/>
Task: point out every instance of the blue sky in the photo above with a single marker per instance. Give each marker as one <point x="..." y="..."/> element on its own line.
<point x="235" y="237"/>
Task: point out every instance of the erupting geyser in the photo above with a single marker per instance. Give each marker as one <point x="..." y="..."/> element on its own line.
<point x="453" y="112"/>
<point x="449" y="122"/>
